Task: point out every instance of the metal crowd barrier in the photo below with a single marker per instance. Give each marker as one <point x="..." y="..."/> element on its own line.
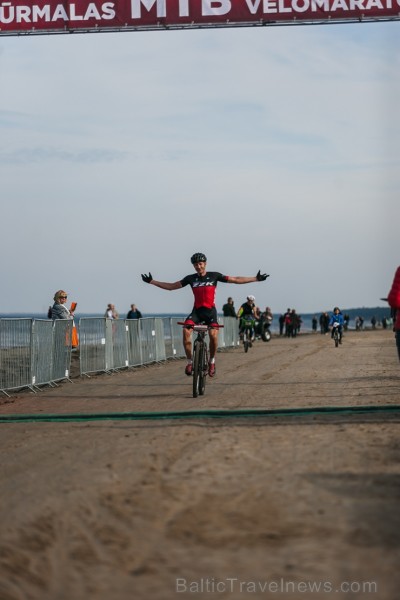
<point x="229" y="335"/>
<point x="107" y="345"/>
<point x="34" y="352"/>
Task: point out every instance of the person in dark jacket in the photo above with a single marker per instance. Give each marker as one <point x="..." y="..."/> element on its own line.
<point x="134" y="313"/>
<point x="228" y="309"/>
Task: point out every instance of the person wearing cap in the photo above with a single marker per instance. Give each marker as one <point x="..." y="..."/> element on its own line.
<point x="204" y="285"/>
<point x="246" y="311"/>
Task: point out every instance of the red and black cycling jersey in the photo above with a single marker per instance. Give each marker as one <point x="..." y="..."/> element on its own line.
<point x="204" y="288"/>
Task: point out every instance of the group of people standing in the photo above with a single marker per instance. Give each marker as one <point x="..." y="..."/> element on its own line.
<point x="59" y="310"/>
<point x="290" y="323"/>
<point x="112" y="313"/>
<point x="247" y="308"/>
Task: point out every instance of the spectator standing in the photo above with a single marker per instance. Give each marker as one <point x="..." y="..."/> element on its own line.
<point x="281" y="324"/>
<point x="228" y="309"/>
<point x="268" y="316"/>
<point x="314" y="324"/>
<point x="394" y="303"/>
<point x="134" y="313"/>
<point x="295" y="323"/>
<point x="288" y="323"/>
<point x="324" y="323"/>
<point x="59" y="310"/>
<point x="111" y="312"/>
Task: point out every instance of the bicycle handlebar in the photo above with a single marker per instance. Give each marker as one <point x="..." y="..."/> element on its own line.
<point x="200" y="326"/>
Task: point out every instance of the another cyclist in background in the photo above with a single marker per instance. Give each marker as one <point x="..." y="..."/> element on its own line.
<point x="245" y="313"/>
<point x="337" y="317"/>
<point x="203" y="284"/>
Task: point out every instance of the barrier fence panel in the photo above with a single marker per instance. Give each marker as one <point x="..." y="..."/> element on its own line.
<point x="15" y="353"/>
<point x="231" y="331"/>
<point x="134" y="345"/>
<point x="61" y="351"/>
<point x="148" y="340"/>
<point x="167" y="337"/>
<point x="119" y="330"/>
<point x="109" y="348"/>
<point x="176" y="337"/>
<point x="160" y="339"/>
<point x="92" y="344"/>
<point x="42" y="356"/>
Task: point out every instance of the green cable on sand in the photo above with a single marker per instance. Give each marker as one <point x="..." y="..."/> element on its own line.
<point x="200" y="414"/>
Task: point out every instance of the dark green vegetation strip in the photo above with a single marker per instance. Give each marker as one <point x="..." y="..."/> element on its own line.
<point x="201" y="414"/>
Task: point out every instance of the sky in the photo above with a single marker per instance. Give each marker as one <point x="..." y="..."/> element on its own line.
<point x="265" y="148"/>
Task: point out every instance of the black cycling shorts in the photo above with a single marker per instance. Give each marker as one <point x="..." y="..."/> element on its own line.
<point x="202" y="315"/>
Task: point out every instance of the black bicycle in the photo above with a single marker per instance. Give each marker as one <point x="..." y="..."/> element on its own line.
<point x="200" y="357"/>
<point x="248" y="333"/>
<point x="336" y="335"/>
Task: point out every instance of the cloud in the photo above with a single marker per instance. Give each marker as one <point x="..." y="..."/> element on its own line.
<point x="268" y="148"/>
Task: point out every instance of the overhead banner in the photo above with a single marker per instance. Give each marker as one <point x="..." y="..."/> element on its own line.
<point x="51" y="16"/>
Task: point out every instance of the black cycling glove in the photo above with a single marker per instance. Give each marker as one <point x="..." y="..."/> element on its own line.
<point x="147" y="278"/>
<point x="262" y="277"/>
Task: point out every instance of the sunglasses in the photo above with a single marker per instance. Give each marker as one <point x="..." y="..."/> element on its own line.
<point x="64" y="297"/>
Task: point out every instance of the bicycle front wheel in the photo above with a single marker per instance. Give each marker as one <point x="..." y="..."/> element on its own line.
<point x="246" y="340"/>
<point x="203" y="362"/>
<point x="197" y="366"/>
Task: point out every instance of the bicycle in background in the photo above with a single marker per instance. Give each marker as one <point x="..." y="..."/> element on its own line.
<point x="337" y="338"/>
<point x="247" y="326"/>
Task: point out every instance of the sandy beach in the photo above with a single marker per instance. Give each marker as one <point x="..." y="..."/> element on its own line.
<point x="290" y="506"/>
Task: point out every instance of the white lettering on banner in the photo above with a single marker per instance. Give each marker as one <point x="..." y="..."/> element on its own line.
<point x="23" y="14"/>
<point x="94" y="11"/>
<point x="282" y="8"/>
<point x="209" y="9"/>
<point x="320" y="4"/>
<point x="300" y="5"/>
<point x="270" y="6"/>
<point x="136" y="7"/>
<point x="253" y="6"/>
<point x="183" y="8"/>
<point x="40" y="13"/>
<point x="11" y="13"/>
<point x="73" y="15"/>
<point x="374" y="3"/>
<point x="35" y="13"/>
<point x="60" y="13"/>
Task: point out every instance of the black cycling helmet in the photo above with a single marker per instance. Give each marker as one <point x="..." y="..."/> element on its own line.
<point x="198" y="257"/>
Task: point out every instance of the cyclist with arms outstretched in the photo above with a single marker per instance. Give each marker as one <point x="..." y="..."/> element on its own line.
<point x="203" y="284"/>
